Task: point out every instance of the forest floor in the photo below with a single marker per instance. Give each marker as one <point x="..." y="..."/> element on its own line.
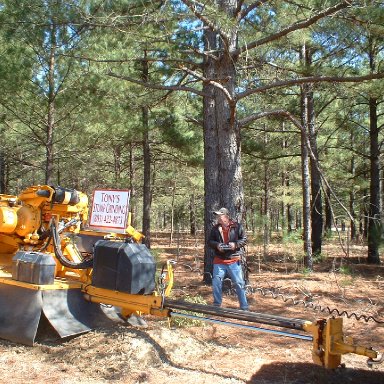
<point x="166" y="352"/>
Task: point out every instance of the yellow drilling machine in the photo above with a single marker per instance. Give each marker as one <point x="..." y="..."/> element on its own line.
<point x="57" y="271"/>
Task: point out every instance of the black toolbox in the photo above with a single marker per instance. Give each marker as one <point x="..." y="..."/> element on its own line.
<point x="33" y="267"/>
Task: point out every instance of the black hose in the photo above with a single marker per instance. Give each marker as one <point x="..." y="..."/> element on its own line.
<point x="59" y="254"/>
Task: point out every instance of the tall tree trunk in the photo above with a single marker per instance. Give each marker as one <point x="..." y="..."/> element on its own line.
<point x="290" y="218"/>
<point x="132" y="174"/>
<point x="298" y="218"/>
<point x="305" y="169"/>
<point x="365" y="214"/>
<point x="192" y="214"/>
<point x="266" y="207"/>
<point x="147" y="166"/>
<point x="117" y="162"/>
<point x="172" y="212"/>
<point x="328" y="211"/>
<point x="290" y="212"/>
<point x="352" y="192"/>
<point x="308" y="262"/>
<point x="49" y="168"/>
<point x="353" y="214"/>
<point x="222" y="170"/>
<point x="284" y="184"/>
<point x="277" y="219"/>
<point x="283" y="213"/>
<point x="316" y="201"/>
<point x="382" y="199"/>
<point x="252" y="216"/>
<point x="374" y="223"/>
<point x="266" y="212"/>
<point x="147" y="180"/>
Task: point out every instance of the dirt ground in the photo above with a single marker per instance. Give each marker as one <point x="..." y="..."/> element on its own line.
<point x="169" y="352"/>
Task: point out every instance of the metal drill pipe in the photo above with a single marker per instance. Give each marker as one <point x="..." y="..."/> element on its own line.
<point x="249" y="327"/>
<point x="253" y="317"/>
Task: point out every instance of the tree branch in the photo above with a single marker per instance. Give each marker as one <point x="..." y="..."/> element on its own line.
<point x="270" y="158"/>
<point x="314" y="79"/>
<point x="294" y="27"/>
<point x="157" y="86"/>
<point x="244" y="13"/>
<point x="205" y="20"/>
<point x="230" y="99"/>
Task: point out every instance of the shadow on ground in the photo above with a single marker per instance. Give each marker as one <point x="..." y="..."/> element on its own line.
<point x="304" y="373"/>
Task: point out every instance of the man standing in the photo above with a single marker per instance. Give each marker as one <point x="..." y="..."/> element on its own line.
<point x="227" y="238"/>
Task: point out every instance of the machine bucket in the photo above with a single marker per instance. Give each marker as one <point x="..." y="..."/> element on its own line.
<point x="67" y="312"/>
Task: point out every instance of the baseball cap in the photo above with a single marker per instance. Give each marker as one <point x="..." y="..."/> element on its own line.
<point x="222" y="211"/>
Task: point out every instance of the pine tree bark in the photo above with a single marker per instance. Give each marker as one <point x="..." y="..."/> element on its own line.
<point x="290" y="218"/>
<point x="353" y="214"/>
<point x="266" y="211"/>
<point x="290" y="213"/>
<point x="132" y="176"/>
<point x="316" y="201"/>
<point x="147" y="198"/>
<point x="147" y="180"/>
<point x="49" y="168"/>
<point x="328" y="211"/>
<point x="374" y="222"/>
<point x="117" y="166"/>
<point x="364" y="214"/>
<point x="172" y="213"/>
<point x="284" y="184"/>
<point x="305" y="170"/>
<point x="192" y="214"/>
<point x="352" y="193"/>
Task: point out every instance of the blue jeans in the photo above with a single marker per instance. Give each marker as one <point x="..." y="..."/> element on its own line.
<point x="236" y="274"/>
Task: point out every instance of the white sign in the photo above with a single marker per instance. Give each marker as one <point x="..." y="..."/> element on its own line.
<point x="110" y="210"/>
